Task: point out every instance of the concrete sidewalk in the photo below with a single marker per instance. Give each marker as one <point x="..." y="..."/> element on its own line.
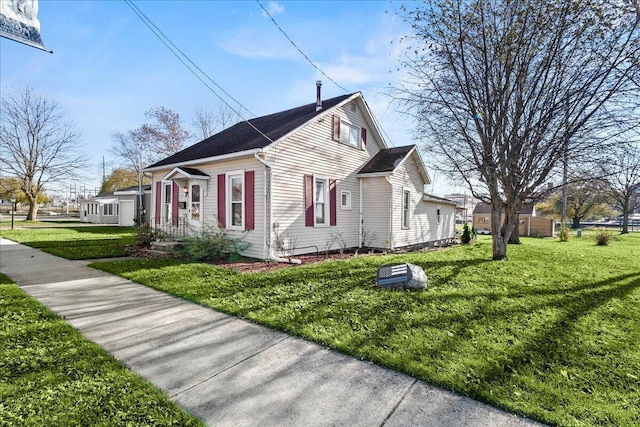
<point x="230" y="372"/>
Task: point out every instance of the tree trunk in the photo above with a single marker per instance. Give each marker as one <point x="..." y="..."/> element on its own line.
<point x="625" y="216"/>
<point x="576" y="222"/>
<point x="33" y="210"/>
<point x="499" y="244"/>
<point x="514" y="238"/>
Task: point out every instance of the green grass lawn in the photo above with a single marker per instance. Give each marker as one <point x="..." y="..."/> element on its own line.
<point x="553" y="333"/>
<point x="76" y="242"/>
<point x="51" y="376"/>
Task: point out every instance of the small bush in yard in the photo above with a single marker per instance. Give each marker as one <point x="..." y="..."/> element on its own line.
<point x="564" y="233"/>
<point x="466" y="234"/>
<point x="210" y="245"/>
<point x="146" y="234"/>
<point x="602" y="237"/>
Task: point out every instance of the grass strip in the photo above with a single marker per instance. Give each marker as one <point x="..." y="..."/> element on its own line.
<point x="51" y="375"/>
<point x="76" y="242"/>
<point x="551" y="334"/>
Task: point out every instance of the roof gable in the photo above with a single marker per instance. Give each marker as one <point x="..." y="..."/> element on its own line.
<point x="387" y="160"/>
<point x="243" y="136"/>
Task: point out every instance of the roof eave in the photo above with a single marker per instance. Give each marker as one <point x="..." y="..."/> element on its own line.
<point x="230" y="156"/>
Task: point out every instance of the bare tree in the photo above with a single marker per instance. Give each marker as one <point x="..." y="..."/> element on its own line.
<point x="39" y="145"/>
<point x="209" y="123"/>
<point x="502" y="90"/>
<point x="164" y="136"/>
<point x="621" y="174"/>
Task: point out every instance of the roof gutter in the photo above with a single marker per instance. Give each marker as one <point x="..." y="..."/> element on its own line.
<point x="239" y="154"/>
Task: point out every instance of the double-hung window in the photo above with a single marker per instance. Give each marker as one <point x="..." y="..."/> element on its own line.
<point x="349" y="134"/>
<point x="235" y="197"/>
<point x="321" y="199"/>
<point x="406" y="208"/>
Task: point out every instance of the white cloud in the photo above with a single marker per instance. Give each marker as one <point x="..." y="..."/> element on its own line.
<point x="274" y="8"/>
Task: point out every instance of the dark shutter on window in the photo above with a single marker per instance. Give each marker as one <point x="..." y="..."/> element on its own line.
<point x="363" y="136"/>
<point x="158" y="201"/>
<point x="174" y="203"/>
<point x="333" y="217"/>
<point x="222" y="209"/>
<point x="308" y="200"/>
<point x="249" y="200"/>
<point x="335" y="134"/>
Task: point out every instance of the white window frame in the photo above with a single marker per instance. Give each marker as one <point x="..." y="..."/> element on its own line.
<point x="345" y="134"/>
<point x="108" y="209"/>
<point x="439" y="214"/>
<point x="345" y="206"/>
<point x="166" y="207"/>
<point x="406" y="210"/>
<point x="327" y="210"/>
<point x="229" y="202"/>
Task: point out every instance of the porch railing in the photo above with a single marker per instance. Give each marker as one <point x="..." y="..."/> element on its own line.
<point x="173" y="228"/>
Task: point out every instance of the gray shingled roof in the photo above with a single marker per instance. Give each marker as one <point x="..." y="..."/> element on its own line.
<point x="242" y="137"/>
<point x="386" y="160"/>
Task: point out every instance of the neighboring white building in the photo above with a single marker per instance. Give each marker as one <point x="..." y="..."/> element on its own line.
<point x="117" y="207"/>
<point x="310" y="178"/>
<point x="466" y="204"/>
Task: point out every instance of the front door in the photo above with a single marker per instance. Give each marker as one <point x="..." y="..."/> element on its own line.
<point x="195" y="206"/>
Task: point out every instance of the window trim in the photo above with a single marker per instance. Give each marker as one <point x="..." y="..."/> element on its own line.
<point x="327" y="210"/>
<point x="229" y="202"/>
<point x="406" y="210"/>
<point x="344" y="125"/>
<point x="347" y="206"/>
<point x="438" y="214"/>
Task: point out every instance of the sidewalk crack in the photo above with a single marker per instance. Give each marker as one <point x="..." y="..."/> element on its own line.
<point x="399" y="402"/>
<point x="228" y="367"/>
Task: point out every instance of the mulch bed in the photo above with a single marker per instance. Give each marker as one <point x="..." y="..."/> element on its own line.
<point x="250" y="265"/>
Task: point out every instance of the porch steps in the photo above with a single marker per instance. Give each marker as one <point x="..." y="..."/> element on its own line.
<point x="163" y="247"/>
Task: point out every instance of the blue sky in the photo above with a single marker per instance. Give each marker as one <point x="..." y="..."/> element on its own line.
<point x="108" y="68"/>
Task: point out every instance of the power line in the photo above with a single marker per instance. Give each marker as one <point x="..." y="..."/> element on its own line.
<point x="184" y="58"/>
<point x="298" y="49"/>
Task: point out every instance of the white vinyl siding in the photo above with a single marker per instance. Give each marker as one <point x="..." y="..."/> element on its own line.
<point x="209" y="202"/>
<point x="376" y="220"/>
<point x="312" y="151"/>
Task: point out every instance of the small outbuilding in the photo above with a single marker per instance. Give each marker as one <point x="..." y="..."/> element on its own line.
<point x="124" y="207"/>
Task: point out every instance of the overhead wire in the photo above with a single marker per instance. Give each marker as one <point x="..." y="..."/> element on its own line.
<point x="298" y="49"/>
<point x="185" y="60"/>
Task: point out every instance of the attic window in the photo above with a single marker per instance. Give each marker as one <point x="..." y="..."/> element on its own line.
<point x="349" y="134"/>
<point x="353" y="107"/>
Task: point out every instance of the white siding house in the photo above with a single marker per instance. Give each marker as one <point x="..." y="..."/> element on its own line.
<point x="308" y="179"/>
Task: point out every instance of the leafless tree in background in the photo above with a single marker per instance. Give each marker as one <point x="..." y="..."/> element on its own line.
<point x="209" y="123"/>
<point x="39" y="145"/>
<point x="501" y="91"/>
<point x="621" y="174"/>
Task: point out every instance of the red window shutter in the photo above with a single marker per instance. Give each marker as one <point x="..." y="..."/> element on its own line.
<point x="333" y="217"/>
<point x="308" y="201"/>
<point x="158" y="201"/>
<point x="175" y="189"/>
<point x="249" y="200"/>
<point x="222" y="208"/>
<point x="335" y="134"/>
<point x="363" y="136"/>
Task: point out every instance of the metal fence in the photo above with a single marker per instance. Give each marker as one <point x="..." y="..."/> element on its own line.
<point x="173" y="228"/>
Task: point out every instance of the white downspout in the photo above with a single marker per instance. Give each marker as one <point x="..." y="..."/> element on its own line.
<point x="268" y="242"/>
<point x="390" y="210"/>
<point x="360" y="225"/>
